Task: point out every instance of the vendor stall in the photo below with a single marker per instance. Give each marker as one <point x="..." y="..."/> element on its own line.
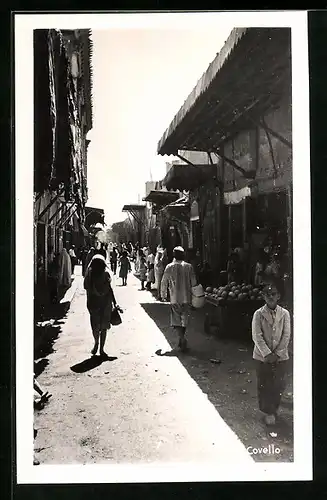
<point x="240" y="113"/>
<point x="230" y="310"/>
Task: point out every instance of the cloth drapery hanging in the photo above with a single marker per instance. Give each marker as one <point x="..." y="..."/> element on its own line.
<point x="235" y="197"/>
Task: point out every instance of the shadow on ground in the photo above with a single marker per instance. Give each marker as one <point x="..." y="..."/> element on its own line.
<point x="48" y="321"/>
<point x="40" y="366"/>
<point x="223" y="369"/>
<point x="44" y="338"/>
<point x="91" y="363"/>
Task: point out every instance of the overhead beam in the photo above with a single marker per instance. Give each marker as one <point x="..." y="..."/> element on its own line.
<point x="47" y="208"/>
<point x="69" y="216"/>
<point x="56" y="213"/>
<point x="64" y="214"/>
<point x="275" y="134"/>
<point x="247" y="174"/>
<point x="138" y="219"/>
<point x="184" y="159"/>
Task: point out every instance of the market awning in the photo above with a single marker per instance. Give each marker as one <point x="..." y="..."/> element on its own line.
<point x="161" y="197"/>
<point x="249" y="76"/>
<point x="188" y="177"/>
<point x="136" y="211"/>
<point x="178" y="210"/>
<point x="138" y="208"/>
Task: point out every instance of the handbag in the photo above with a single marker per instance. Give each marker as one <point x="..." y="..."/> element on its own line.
<point x="115" y="316"/>
<point x="198" y="297"/>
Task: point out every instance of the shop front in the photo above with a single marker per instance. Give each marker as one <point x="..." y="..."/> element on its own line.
<point x="174" y="223"/>
<point x="138" y="214"/>
<point x="245" y="214"/>
<point x="196" y="211"/>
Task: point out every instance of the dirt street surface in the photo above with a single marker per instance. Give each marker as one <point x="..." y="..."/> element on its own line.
<point x="139" y="406"/>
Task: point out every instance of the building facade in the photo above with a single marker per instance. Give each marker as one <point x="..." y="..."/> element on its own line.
<point x="234" y="138"/>
<point x="62" y="119"/>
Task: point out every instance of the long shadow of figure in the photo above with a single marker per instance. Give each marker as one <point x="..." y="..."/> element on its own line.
<point x="91" y="363"/>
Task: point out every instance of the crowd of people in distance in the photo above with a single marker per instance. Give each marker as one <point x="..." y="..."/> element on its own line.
<point x="174" y="281"/>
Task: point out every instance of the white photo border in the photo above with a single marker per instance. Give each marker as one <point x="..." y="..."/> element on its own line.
<point x="301" y="468"/>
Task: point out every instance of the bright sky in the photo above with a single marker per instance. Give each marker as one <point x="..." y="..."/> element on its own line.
<point x="140" y="80"/>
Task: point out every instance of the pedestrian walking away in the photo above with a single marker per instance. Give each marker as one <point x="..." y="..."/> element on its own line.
<point x="73" y="257"/>
<point x="150" y="269"/>
<point x="113" y="260"/>
<point x="159" y="267"/>
<point x="271" y="334"/>
<point x="88" y="258"/>
<point x="84" y="254"/>
<point x="100" y="301"/>
<point x="179" y="278"/>
<point x="102" y="251"/>
<point x="142" y="268"/>
<point x="125" y="267"/>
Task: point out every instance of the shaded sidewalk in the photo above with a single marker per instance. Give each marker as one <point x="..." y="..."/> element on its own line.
<point x="224" y="370"/>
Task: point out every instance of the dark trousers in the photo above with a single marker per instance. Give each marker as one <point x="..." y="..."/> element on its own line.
<point x="271" y="385"/>
<point x="73" y="261"/>
<point x="113" y="264"/>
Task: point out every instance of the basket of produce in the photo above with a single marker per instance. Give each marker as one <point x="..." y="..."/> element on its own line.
<point x="235" y="305"/>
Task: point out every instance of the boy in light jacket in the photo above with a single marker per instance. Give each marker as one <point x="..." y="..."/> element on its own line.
<point x="271" y="332"/>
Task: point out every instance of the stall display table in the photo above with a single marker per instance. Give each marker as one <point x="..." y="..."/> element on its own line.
<point x="231" y="318"/>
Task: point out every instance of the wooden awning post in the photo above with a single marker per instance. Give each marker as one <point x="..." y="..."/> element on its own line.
<point x="229" y="229"/>
<point x="244" y="221"/>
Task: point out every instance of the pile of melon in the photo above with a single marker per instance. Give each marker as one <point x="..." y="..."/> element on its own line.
<point x="233" y="291"/>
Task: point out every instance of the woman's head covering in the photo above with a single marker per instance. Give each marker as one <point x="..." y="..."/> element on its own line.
<point x="98" y="256"/>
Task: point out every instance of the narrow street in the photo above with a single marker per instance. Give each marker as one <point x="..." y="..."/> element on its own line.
<point x="139" y="406"/>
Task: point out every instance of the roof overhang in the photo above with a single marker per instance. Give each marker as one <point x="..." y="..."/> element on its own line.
<point x="187" y="177"/>
<point x="179" y="209"/>
<point x="133" y="208"/>
<point x="161" y="197"/>
<point x="248" y="77"/>
<point x="93" y="209"/>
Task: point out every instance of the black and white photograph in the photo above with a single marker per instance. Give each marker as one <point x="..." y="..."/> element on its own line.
<point x="163" y="287"/>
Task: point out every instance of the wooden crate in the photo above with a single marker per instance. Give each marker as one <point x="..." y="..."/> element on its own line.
<point x="231" y="319"/>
